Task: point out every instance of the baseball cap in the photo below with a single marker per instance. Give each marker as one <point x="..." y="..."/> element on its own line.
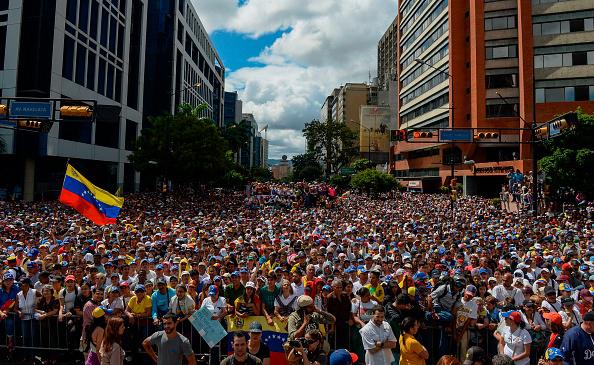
<point x="554" y="318"/>
<point x="470" y="289"/>
<point x="139" y="288"/>
<point x="101" y="311"/>
<point x="250" y="284"/>
<point x="212" y="290"/>
<point x="343" y="357"/>
<point x="69" y="277"/>
<point x="549" y="290"/>
<point x="513" y="315"/>
<point x="554" y="353"/>
<point x="255" y="327"/>
<point x="473" y="354"/>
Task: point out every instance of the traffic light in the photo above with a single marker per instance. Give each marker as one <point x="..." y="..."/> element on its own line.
<point x="542" y="132"/>
<point x="398" y="135"/>
<point x="29" y="124"/>
<point x="423" y="134"/>
<point x="76" y="111"/>
<point x="487" y="135"/>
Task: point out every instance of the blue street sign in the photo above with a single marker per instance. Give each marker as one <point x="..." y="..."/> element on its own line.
<point x="455" y="135"/>
<point x="30" y="109"/>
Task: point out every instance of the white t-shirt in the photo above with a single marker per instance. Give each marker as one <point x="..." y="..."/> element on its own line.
<point x="465" y="311"/>
<point x="501" y="293"/>
<point x="514" y="343"/>
<point x="215" y="308"/>
<point x="118" y="303"/>
<point x="69" y="298"/>
<point x="363" y="310"/>
<point x="298" y="290"/>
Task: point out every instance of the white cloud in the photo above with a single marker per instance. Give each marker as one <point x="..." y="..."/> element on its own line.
<point x="324" y="44"/>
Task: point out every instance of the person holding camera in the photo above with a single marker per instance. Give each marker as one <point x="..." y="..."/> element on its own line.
<point x="308" y="350"/>
<point x="307" y="317"/>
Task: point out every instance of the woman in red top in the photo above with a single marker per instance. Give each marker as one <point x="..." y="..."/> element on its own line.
<point x="555" y="323"/>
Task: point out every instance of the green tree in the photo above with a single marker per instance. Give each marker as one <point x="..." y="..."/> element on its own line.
<point x="261" y="174"/>
<point x="569" y="158"/>
<point x="183" y="148"/>
<point x="332" y="143"/>
<point x="340" y="181"/>
<point x="306" y="167"/>
<point x="237" y="136"/>
<point x="371" y="180"/>
<point x="362" y="164"/>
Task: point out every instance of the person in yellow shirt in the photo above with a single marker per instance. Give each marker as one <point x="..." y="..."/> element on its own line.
<point x="411" y="350"/>
<point x="140" y="304"/>
<point x="375" y="288"/>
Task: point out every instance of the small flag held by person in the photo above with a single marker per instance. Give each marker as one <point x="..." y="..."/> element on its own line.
<point x="94" y="203"/>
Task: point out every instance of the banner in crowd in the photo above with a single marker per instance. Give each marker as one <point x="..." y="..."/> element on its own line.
<point x="211" y="331"/>
<point x="272" y="336"/>
<point x="94" y="203"/>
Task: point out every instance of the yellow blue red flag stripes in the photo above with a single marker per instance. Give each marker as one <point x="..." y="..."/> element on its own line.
<point x="94" y="203"/>
<point x="272" y="336"/>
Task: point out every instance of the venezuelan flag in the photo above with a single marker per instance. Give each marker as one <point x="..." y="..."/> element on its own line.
<point x="272" y="336"/>
<point x="94" y="203"/>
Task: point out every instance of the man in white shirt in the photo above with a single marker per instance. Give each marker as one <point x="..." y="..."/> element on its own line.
<point x="466" y="315"/>
<point x="363" y="279"/>
<point x="507" y="294"/>
<point x="378" y="339"/>
<point x="297" y="284"/>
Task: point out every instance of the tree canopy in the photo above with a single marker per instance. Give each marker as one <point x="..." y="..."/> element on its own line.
<point x="569" y="158"/>
<point x="306" y="167"/>
<point x="372" y="180"/>
<point x="184" y="147"/>
<point x="331" y="143"/>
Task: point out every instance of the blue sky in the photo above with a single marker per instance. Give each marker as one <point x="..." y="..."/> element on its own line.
<point x="285" y="56"/>
<point x="236" y="49"/>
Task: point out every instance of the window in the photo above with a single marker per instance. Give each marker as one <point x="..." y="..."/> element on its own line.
<point x="501" y="81"/>
<point x="131" y="130"/>
<point x="118" y="86"/>
<point x="120" y="41"/>
<point x="582" y="93"/>
<point x="579" y="58"/>
<point x="502" y="52"/>
<point x="91" y="70"/>
<point x="4" y="5"/>
<point x="71" y="11"/>
<point x="538" y="61"/>
<point x="589" y="24"/>
<point x="112" y="35"/>
<point x="506" y="22"/>
<point x="94" y="19"/>
<point x="551" y="28"/>
<point x="540" y="96"/>
<point x="501" y="110"/>
<point x="101" y="79"/>
<point x="2" y="47"/>
<point x="104" y="27"/>
<point x="555" y="94"/>
<point x="81" y="64"/>
<point x="576" y="25"/>
<point x="569" y="94"/>
<point x="110" y="75"/>
<point x="83" y="15"/>
<point x="180" y="32"/>
<point x="68" y="58"/>
<point x="553" y="60"/>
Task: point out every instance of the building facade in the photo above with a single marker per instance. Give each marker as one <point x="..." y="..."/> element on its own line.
<point x="182" y="64"/>
<point x="488" y="65"/>
<point x="232" y="109"/>
<point x="88" y="49"/>
<point x="386" y="55"/>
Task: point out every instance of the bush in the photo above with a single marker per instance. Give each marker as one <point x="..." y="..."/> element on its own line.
<point x="444" y="189"/>
<point x="340" y="181"/>
<point x="371" y="180"/>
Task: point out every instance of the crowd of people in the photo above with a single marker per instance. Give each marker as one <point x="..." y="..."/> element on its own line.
<point x="353" y="279"/>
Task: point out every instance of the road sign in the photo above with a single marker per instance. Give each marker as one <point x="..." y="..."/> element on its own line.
<point x="347" y="171"/>
<point x="30" y="109"/>
<point x="455" y="135"/>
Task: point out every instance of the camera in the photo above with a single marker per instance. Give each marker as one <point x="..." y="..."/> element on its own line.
<point x="298" y="342"/>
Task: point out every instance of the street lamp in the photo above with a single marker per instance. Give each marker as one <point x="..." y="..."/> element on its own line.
<point x="452" y="173"/>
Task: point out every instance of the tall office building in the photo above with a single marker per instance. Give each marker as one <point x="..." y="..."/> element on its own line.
<point x="233" y="107"/>
<point x="504" y="64"/>
<point x="182" y="65"/>
<point x="78" y="49"/>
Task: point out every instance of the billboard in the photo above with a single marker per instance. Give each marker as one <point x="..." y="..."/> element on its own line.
<point x="374" y="132"/>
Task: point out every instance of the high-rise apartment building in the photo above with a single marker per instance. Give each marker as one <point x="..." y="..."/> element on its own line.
<point x="182" y="64"/>
<point x="77" y="49"/>
<point x="487" y="64"/>
<point x="386" y="55"/>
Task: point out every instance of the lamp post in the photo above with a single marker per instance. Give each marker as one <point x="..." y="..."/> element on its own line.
<point x="534" y="162"/>
<point x="452" y="145"/>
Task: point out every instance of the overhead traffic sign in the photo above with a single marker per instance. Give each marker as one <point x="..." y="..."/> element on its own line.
<point x="455" y="135"/>
<point x="30" y="109"/>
